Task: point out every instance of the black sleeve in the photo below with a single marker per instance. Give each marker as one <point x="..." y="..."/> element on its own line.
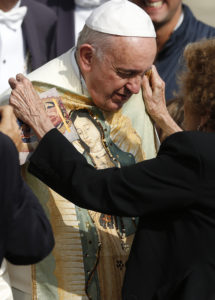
<point x="27" y="232"/>
<point x="150" y="187"/>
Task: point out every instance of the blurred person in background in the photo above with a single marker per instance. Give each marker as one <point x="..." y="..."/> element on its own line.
<point x="27" y="37"/>
<point x="175" y="27"/>
<point x="71" y="16"/>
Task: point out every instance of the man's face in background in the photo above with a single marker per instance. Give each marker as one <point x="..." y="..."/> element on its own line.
<point x="161" y="12"/>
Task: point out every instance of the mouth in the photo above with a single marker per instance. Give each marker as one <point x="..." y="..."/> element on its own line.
<point x="156" y="4"/>
<point x="121" y="98"/>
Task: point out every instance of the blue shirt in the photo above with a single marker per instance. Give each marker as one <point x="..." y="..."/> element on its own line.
<point x="169" y="59"/>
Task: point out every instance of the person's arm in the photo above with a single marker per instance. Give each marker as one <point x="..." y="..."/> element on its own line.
<point x="27" y="233"/>
<point x="160" y="185"/>
<point x="146" y="188"/>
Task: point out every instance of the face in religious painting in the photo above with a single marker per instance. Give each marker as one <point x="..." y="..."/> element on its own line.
<point x="114" y="78"/>
<point x="161" y="12"/>
<point x="90" y="140"/>
<point x="52" y="113"/>
<point x="88" y="132"/>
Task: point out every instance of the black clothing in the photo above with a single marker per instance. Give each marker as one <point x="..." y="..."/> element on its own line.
<point x="169" y="60"/>
<point x="173" y="253"/>
<point x="65" y="33"/>
<point x="25" y="233"/>
<point x="39" y="32"/>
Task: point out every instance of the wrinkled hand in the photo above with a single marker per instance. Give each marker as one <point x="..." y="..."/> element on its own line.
<point x="154" y="98"/>
<point x="154" y="95"/>
<point x="9" y="126"/>
<point x="28" y="106"/>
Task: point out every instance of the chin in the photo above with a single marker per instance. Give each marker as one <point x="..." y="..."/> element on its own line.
<point x="112" y="108"/>
<point x="110" y="105"/>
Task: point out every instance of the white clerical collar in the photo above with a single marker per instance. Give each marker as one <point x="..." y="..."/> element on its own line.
<point x="179" y="21"/>
<point x="78" y="73"/>
<point x="89" y="3"/>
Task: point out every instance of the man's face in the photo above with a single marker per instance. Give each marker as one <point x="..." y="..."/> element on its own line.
<point x="161" y="12"/>
<point x="113" y="79"/>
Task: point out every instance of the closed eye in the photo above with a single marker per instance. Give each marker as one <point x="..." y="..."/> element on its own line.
<point x="129" y="73"/>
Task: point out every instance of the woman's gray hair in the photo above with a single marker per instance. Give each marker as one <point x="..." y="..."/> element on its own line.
<point x="98" y="40"/>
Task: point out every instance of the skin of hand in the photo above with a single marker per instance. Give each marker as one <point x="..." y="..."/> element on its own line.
<point x="9" y="126"/>
<point x="154" y="98"/>
<point x="28" y="106"/>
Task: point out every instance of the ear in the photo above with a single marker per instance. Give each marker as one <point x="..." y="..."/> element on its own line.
<point x="86" y="54"/>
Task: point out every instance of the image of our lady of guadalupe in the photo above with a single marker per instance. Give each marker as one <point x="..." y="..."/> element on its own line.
<point x="106" y="239"/>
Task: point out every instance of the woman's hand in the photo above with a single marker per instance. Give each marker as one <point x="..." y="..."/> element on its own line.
<point x="154" y="95"/>
<point x="9" y="126"/>
<point x="154" y="99"/>
<point x="28" y="106"/>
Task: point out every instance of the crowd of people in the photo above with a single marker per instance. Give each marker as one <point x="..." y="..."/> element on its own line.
<point x="131" y="218"/>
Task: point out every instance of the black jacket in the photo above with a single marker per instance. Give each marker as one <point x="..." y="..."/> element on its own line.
<point x="173" y="253"/>
<point x="25" y="233"/>
<point x="39" y="32"/>
<point x="65" y="32"/>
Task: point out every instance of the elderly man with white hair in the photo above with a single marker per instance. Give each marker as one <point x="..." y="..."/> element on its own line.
<point x="93" y="95"/>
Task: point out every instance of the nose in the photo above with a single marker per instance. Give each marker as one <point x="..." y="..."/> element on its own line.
<point x="133" y="84"/>
<point x="84" y="135"/>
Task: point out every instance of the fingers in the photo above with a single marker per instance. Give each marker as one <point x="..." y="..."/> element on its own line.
<point x="8" y="118"/>
<point x="20" y="78"/>
<point x="6" y="113"/>
<point x="156" y="81"/>
<point x="12" y="82"/>
<point x="8" y="124"/>
<point x="154" y="71"/>
<point x="147" y="90"/>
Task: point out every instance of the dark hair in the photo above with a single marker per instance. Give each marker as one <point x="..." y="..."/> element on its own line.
<point x="175" y="108"/>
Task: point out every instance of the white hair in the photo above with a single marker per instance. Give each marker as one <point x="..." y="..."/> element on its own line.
<point x="101" y="42"/>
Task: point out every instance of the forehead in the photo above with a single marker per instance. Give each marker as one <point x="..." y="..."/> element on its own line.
<point x="132" y="53"/>
<point x="83" y="121"/>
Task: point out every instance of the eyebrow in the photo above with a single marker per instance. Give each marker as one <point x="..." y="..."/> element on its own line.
<point x="134" y="71"/>
<point x="128" y="70"/>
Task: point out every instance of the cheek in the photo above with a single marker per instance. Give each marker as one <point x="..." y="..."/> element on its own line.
<point x="107" y="86"/>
